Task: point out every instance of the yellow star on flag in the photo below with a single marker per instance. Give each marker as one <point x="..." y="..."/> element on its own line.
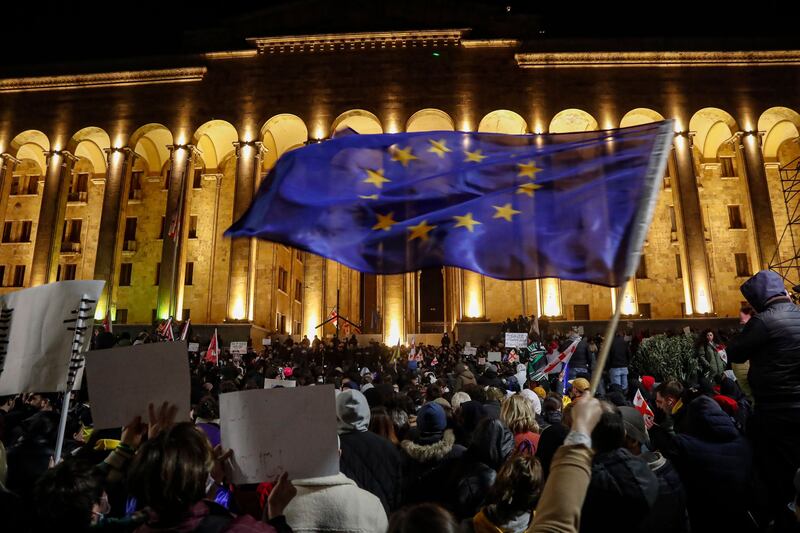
<point x="474" y="157"/>
<point x="528" y="188"/>
<point x="528" y="169"/>
<point x="505" y="212"/>
<point x="368" y="196"/>
<point x="420" y="231"/>
<point x="466" y="221"/>
<point x="385" y="222"/>
<point x="439" y="147"/>
<point x="403" y="155"/>
<point x="376" y="178"/>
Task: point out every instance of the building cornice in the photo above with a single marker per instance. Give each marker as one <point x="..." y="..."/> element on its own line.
<point x="490" y="43"/>
<point x="105" y="79"/>
<point x="657" y="59"/>
<point x="358" y="41"/>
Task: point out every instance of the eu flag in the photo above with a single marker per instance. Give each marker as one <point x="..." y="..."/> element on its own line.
<point x="573" y="206"/>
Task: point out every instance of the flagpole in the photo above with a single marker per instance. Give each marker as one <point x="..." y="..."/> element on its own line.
<point x="605" y="348"/>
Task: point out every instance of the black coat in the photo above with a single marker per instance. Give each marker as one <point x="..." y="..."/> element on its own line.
<point x="471" y="477"/>
<point x="621" y="482"/>
<point x="714" y="462"/>
<point x="669" y="513"/>
<point x="582" y="356"/>
<point x="427" y="467"/>
<point x="374" y="464"/>
<point x="618" y="356"/>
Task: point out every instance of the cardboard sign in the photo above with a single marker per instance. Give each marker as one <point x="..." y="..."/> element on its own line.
<point x="194" y="347"/>
<point x="238" y="348"/>
<point x="470" y="351"/>
<point x="495" y="357"/>
<point x="124" y="381"/>
<point x="266" y="341"/>
<point x="280" y="430"/>
<point x="37" y="342"/>
<point x="277" y="383"/>
<point x="516" y="340"/>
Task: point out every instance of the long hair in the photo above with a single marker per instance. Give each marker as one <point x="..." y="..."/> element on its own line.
<point x="382" y="424"/>
<point x="517" y="488"/>
<point x="517" y="414"/>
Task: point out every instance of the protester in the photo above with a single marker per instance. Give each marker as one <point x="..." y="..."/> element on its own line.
<point x="513" y="497"/>
<point x="517" y="414"/>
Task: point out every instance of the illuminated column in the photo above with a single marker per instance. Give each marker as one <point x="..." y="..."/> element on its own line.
<point x="630" y="302"/>
<point x="691" y="218"/>
<point x="313" y="307"/>
<point x="112" y="227"/>
<point x="50" y="227"/>
<point x="472" y="290"/>
<point x="394" y="327"/>
<point x="173" y="252"/>
<point x="760" y="203"/>
<point x="550" y="297"/>
<point x="241" y="280"/>
<point x="7" y="166"/>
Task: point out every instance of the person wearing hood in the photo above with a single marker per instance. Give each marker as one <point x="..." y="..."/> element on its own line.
<point x="714" y="463"/>
<point x="620" y="480"/>
<point x="463" y="377"/>
<point x="367" y="458"/>
<point x="770" y="342"/>
<point x="471" y="477"/>
<point x="490" y="378"/>
<point x="669" y="513"/>
<point x="428" y="454"/>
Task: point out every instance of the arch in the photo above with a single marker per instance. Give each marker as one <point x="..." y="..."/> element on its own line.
<point x="89" y="143"/>
<point x="778" y="125"/>
<point x="571" y="121"/>
<point x="639" y="116"/>
<point x="358" y="120"/>
<point x="285" y="131"/>
<point x="150" y="142"/>
<point x="503" y="121"/>
<point x="215" y="141"/>
<point x="711" y="127"/>
<point x="430" y="119"/>
<point x="31" y="144"/>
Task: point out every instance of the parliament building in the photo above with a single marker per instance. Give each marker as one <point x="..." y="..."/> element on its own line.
<point x="132" y="174"/>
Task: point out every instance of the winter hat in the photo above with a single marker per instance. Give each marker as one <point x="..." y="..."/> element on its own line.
<point x="728" y="405"/>
<point x="352" y="412"/>
<point x="580" y="384"/>
<point x="459" y="398"/>
<point x="431" y="423"/>
<point x="533" y="399"/>
<point x="634" y="425"/>
<point x="648" y="382"/>
<point x="287" y="372"/>
<point x="491" y="368"/>
<point x="540" y="392"/>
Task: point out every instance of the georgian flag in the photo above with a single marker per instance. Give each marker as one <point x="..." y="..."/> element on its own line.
<point x="212" y="355"/>
<point x="641" y="405"/>
<point x="563" y="357"/>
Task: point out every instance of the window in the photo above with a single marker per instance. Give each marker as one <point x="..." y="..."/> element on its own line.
<point x="66" y="272"/>
<point x="72" y="230"/>
<point x="189" y="277"/>
<point x="667" y="183"/>
<point x="297" y="328"/>
<point x="678" y="267"/>
<point x="135" y="190"/>
<point x="7" y="229"/>
<point x="167" y="178"/>
<point x="644" y="310"/>
<point x="162" y="231"/>
<point x="727" y="167"/>
<point x="197" y="181"/>
<point x="130" y="228"/>
<point x="641" y="272"/>
<point x="158" y="273"/>
<point x="24" y="184"/>
<point x="673" y="223"/>
<point x="193" y="227"/>
<point x="735" y="217"/>
<point x="19" y="276"/>
<point x="742" y="265"/>
<point x="80" y="182"/>
<point x="125" y="272"/>
<point x="280" y="323"/>
<point x="299" y="256"/>
<point x="581" y="311"/>
<point x="298" y="290"/>
<point x="282" y="279"/>
<point x="121" y="316"/>
<point x="16" y="184"/>
<point x="25" y="231"/>
<point x="2" y="275"/>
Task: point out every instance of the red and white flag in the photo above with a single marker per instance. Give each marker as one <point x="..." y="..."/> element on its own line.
<point x="334" y="317"/>
<point x="641" y="405"/>
<point x="212" y="355"/>
<point x="107" y="324"/>
<point x="165" y="329"/>
<point x="563" y="357"/>
<point x="185" y="330"/>
<point x="173" y="227"/>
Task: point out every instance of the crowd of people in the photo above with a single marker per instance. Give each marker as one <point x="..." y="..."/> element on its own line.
<point x="432" y="440"/>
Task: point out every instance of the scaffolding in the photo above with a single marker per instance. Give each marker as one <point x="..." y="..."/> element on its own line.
<point x="789" y="267"/>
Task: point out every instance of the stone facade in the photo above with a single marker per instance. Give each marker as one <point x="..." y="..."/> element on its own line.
<point x="162" y="161"/>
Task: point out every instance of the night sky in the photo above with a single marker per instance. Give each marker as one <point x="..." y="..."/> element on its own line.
<point x="90" y="31"/>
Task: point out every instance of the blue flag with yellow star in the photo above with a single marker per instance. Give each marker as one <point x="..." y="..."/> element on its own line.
<point x="572" y="206"/>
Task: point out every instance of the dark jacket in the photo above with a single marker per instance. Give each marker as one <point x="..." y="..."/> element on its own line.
<point x="490" y="379"/>
<point x="623" y="482"/>
<point x="426" y="467"/>
<point x="618" y="356"/>
<point x="374" y="464"/>
<point x="669" y="513"/>
<point x="771" y="342"/>
<point x="473" y="475"/>
<point x="714" y="462"/>
<point x="582" y="357"/>
<point x="463" y="377"/>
